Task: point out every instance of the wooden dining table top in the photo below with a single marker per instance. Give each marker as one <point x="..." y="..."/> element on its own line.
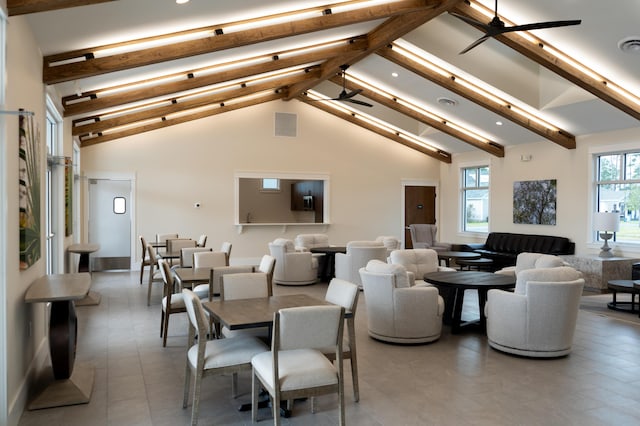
<point x="193" y="275"/>
<point x="258" y="312"/>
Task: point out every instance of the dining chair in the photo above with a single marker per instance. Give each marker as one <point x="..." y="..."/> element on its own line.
<point x="162" y="238"/>
<point x="296" y="367"/>
<point x="172" y="303"/>
<point x="155" y="275"/>
<point x="247" y="285"/>
<point x="267" y="265"/>
<point x="207" y="259"/>
<point x="144" y="256"/>
<point x="212" y="357"/>
<point x="345" y="294"/>
<point x="186" y="255"/>
<point x="202" y="240"/>
<point x="226" y="249"/>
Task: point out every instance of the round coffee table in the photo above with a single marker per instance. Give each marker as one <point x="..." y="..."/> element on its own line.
<point x="329" y="265"/>
<point x="452" y="285"/>
<point x="480" y="264"/>
<point x="448" y="256"/>
<point x="624" y="286"/>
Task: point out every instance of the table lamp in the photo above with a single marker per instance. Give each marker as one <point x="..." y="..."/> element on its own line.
<point x="605" y="223"/>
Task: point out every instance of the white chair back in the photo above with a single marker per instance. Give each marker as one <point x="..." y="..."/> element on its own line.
<point x="246" y="285"/>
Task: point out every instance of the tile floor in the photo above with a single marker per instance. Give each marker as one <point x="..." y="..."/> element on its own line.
<point x="458" y="380"/>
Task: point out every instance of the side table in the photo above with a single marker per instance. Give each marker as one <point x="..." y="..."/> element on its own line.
<point x="69" y="386"/>
<point x="84" y="265"/>
<point x="624" y="286"/>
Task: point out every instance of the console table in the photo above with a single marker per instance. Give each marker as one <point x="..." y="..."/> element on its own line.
<point x="69" y="387"/>
<point x="84" y="265"/>
<point x="598" y="271"/>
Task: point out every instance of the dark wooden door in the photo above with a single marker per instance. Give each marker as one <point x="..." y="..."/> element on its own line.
<point x="419" y="207"/>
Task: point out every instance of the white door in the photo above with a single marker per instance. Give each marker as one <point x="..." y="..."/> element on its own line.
<point x="110" y="223"/>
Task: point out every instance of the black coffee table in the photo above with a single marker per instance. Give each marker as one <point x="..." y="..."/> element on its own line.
<point x="448" y="256"/>
<point x="329" y="265"/>
<point x="452" y="286"/>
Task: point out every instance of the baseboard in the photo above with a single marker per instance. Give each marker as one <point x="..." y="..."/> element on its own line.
<point x="18" y="404"/>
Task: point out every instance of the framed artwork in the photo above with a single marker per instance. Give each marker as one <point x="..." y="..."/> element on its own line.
<point x="68" y="196"/>
<point x="534" y="202"/>
<point x="29" y="191"/>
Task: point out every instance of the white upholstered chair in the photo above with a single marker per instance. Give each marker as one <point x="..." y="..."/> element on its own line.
<point x="396" y="311"/>
<point x="174" y="246"/>
<point x="539" y="318"/>
<point x="247" y="285"/>
<point x="292" y="267"/>
<point x="144" y="256"/>
<point x="155" y="275"/>
<point x="423" y="235"/>
<point x="304" y="242"/>
<point x="358" y="254"/>
<point x="528" y="260"/>
<point x="202" y="240"/>
<point x="172" y="303"/>
<point x="296" y="366"/>
<point x="345" y="294"/>
<point x="226" y="249"/>
<point x="390" y="242"/>
<point x="417" y="262"/>
<point x="209" y="259"/>
<point x="212" y="357"/>
<point x="186" y="255"/>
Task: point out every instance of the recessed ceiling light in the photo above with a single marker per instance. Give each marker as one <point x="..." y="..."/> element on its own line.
<point x="630" y="44"/>
<point x="498" y="123"/>
<point x="394" y="74"/>
<point x="447" y="102"/>
<point x="182" y="1"/>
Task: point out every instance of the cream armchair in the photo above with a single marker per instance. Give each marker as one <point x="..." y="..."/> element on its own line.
<point x="390" y="242"/>
<point x="417" y="263"/>
<point x="396" y="311"/>
<point x="423" y="235"/>
<point x="358" y="254"/>
<point x="539" y="318"/>
<point x="292" y="267"/>
<point x="527" y="260"/>
<point x="304" y="242"/>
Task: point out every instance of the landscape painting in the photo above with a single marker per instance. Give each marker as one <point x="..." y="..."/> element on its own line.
<point x="534" y="202"/>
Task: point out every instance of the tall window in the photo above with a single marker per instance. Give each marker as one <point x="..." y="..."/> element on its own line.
<point x="618" y="190"/>
<point x="53" y="191"/>
<point x="475" y="199"/>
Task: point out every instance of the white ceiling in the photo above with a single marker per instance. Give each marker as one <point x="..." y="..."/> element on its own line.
<point x="594" y="43"/>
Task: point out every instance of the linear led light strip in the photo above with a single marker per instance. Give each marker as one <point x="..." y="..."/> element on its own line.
<point x="417" y="109"/>
<point x="415" y="56"/>
<point x="561" y="56"/>
<point x="284" y="17"/>
<point x="372" y="121"/>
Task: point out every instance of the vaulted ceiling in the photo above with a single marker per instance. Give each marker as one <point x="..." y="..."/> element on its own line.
<point x="126" y="67"/>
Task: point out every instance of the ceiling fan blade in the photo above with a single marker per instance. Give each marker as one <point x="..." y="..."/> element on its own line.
<point x="344" y="95"/>
<point x="474" y="44"/>
<point x="541" y="25"/>
<point x="470" y="21"/>
<point x="356" y="101"/>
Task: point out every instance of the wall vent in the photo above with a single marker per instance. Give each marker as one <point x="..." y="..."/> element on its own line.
<point x="286" y="124"/>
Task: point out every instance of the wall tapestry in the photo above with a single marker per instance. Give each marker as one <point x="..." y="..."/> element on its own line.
<point x="534" y="202"/>
<point x="29" y="171"/>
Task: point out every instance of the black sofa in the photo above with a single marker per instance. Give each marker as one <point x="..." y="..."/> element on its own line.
<point x="503" y="247"/>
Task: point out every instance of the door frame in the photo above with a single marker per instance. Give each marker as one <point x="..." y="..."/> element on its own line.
<point x="416" y="182"/>
<point x="131" y="177"/>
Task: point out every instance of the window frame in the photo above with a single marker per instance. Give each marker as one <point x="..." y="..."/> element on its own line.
<point x="463" y="196"/>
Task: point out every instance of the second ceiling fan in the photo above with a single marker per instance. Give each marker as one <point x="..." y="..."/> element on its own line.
<point x="348" y="96"/>
<point x="497" y="27"/>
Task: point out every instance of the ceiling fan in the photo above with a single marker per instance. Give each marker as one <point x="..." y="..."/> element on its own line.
<point x="347" y="96"/>
<point x="497" y="27"/>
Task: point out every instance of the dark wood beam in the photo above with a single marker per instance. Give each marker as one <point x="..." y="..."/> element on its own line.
<point x="100" y="138"/>
<point x="561" y="137"/>
<point x="440" y="124"/>
<point x="97" y="124"/>
<point x="84" y="63"/>
<point x="436" y="153"/>
<point x="540" y="55"/>
<point x="115" y="96"/>
<point x="385" y="33"/>
<point x="22" y="7"/>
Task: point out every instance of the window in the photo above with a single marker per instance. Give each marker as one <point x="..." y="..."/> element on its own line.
<point x="475" y="199"/>
<point x="119" y="205"/>
<point x="270" y="184"/>
<point x="618" y="190"/>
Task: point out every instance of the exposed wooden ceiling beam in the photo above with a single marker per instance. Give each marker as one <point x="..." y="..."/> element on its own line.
<point x="390" y="30"/>
<point x="561" y="137"/>
<point x="92" y="101"/>
<point x="437" y="154"/>
<point x="22" y="7"/>
<point x="491" y="147"/>
<point x="105" y="137"/>
<point x="97" y="124"/>
<point x="84" y="63"/>
<point x="538" y="53"/>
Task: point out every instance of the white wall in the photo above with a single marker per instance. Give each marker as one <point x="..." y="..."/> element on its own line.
<point x="196" y="161"/>
<point x="571" y="168"/>
<point x="24" y="90"/>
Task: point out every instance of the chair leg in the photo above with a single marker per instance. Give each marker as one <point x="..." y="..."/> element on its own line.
<point x="187" y="379"/>
<point x="141" y="271"/>
<point x="162" y="323"/>
<point x="234" y="385"/>
<point x="150" y="284"/>
<point x="196" y="398"/>
<point x="354" y="362"/>
<point x="166" y="329"/>
<point x="275" y="403"/>
<point x="255" y="390"/>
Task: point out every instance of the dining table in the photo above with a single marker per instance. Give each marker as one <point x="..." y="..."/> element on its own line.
<point x="191" y="277"/>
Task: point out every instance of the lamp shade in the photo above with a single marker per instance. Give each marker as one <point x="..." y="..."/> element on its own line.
<point x="606" y="221"/>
